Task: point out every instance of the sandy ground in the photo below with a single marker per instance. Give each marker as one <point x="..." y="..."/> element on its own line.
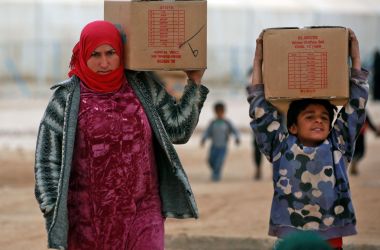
<point x="235" y="208"/>
<point x="234" y="213"/>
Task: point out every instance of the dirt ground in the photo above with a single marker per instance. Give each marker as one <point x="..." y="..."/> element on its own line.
<point x="234" y="213"/>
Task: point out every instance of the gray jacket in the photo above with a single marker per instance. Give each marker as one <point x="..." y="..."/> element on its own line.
<point x="171" y="122"/>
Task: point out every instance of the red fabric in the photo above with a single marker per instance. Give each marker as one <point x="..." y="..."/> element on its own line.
<point x="364" y="128"/>
<point x="113" y="200"/>
<point x="93" y="35"/>
<point x="336" y="242"/>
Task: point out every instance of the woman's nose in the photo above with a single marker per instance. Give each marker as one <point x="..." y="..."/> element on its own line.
<point x="104" y="61"/>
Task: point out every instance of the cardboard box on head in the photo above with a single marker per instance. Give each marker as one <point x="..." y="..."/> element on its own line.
<point x="161" y="35"/>
<point x="305" y="63"/>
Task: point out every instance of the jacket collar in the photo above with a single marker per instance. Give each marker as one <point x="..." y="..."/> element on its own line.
<point x="68" y="83"/>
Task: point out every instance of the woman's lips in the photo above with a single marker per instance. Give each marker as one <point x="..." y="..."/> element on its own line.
<point x="104" y="72"/>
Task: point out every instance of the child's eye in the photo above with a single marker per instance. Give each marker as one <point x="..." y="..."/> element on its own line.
<point x="325" y="118"/>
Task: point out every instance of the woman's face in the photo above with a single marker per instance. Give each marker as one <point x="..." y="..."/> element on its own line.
<point x="103" y="60"/>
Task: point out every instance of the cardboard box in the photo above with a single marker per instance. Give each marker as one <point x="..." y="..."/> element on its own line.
<point x="305" y="63"/>
<point x="161" y="35"/>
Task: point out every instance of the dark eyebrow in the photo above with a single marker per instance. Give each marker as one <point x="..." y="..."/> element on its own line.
<point x="308" y="112"/>
<point x="312" y="112"/>
<point x="110" y="50"/>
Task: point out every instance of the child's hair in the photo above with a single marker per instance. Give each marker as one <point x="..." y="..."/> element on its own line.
<point x="219" y="106"/>
<point x="297" y="106"/>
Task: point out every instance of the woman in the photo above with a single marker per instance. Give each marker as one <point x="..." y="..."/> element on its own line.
<point x="106" y="171"/>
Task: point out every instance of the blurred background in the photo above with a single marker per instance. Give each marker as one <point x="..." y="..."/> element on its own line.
<point x="36" y="40"/>
<point x="38" y="35"/>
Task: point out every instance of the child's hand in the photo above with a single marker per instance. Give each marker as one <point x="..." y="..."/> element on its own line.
<point x="354" y="50"/>
<point x="259" y="48"/>
<point x="257" y="76"/>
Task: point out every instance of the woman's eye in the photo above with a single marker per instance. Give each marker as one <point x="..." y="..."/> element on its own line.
<point x="95" y="54"/>
<point x="111" y="52"/>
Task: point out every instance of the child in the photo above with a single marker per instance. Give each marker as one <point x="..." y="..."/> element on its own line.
<point x="256" y="154"/>
<point x="360" y="146"/>
<point x="310" y="157"/>
<point x="219" y="131"/>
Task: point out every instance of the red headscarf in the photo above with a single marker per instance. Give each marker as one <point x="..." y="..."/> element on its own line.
<point x="93" y="35"/>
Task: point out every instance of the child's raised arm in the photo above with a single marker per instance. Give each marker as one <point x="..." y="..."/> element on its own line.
<point x="352" y="116"/>
<point x="354" y="50"/>
<point x="266" y="121"/>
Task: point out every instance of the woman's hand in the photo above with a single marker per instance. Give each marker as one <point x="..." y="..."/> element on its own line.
<point x="257" y="76"/>
<point x="354" y="50"/>
<point x="195" y="75"/>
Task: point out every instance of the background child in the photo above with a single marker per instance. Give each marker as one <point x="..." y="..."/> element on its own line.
<point x="218" y="132"/>
<point x="360" y="146"/>
<point x="310" y="157"/>
<point x="256" y="154"/>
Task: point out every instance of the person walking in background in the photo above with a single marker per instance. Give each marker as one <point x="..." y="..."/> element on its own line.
<point x="310" y="155"/>
<point x="257" y="156"/>
<point x="376" y="76"/>
<point x="257" y="159"/>
<point x="218" y="131"/>
<point x="360" y="146"/>
<point x="106" y="171"/>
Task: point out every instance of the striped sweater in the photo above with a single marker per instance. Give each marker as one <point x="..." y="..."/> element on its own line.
<point x="171" y="122"/>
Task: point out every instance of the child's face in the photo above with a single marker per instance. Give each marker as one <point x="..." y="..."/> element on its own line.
<point x="313" y="125"/>
<point x="219" y="113"/>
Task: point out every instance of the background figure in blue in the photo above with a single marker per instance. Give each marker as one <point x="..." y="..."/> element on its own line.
<point x="219" y="131"/>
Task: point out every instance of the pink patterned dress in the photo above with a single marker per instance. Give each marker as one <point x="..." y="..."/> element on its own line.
<point x="113" y="200"/>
